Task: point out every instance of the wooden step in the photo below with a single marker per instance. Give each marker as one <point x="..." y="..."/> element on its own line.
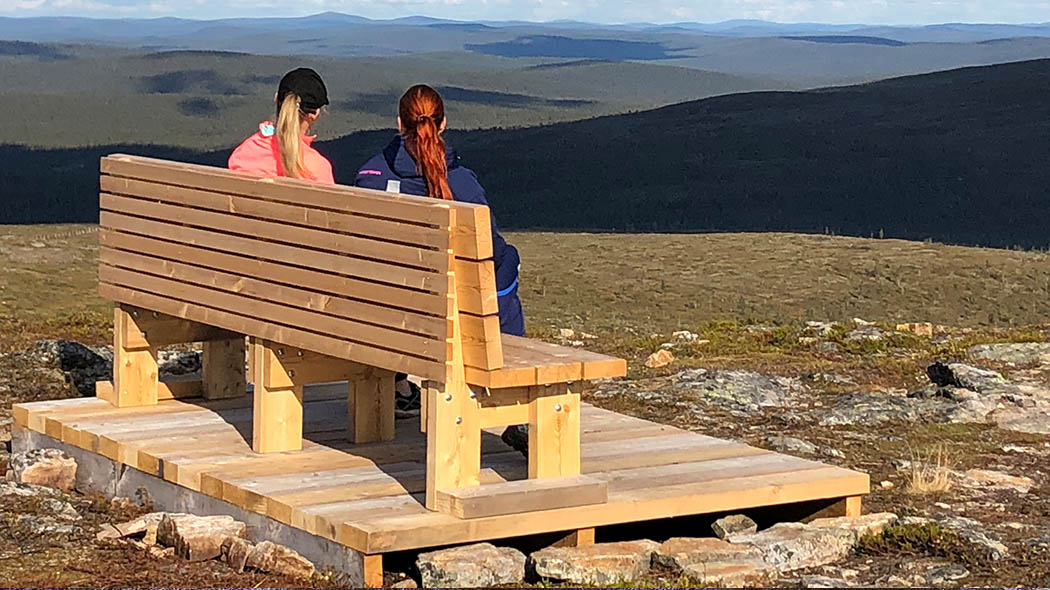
<point x="527" y="495"/>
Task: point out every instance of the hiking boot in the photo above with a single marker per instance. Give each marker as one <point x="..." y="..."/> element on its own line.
<point x="407" y="400"/>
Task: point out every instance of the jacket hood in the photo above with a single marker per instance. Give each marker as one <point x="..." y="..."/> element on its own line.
<point x="402" y="164"/>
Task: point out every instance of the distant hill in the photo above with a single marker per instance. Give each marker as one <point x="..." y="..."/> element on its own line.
<point x="956" y="156"/>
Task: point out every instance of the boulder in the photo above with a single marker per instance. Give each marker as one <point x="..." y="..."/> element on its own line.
<point x="145" y="526"/>
<point x="81" y="365"/>
<point x="1024" y="353"/>
<point x="730" y="575"/>
<point x="45" y="467"/>
<point x="45" y="525"/>
<point x="678" y="553"/>
<point x="198" y="538"/>
<point x="271" y="558"/>
<point x="596" y="565"/>
<point x="743" y="391"/>
<point x="792" y="546"/>
<point x="860" y="526"/>
<point x="974" y="532"/>
<point x="482" y="564"/>
<point x="789" y="444"/>
<point x="737" y="524"/>
<point x="983" y="478"/>
<point x="964" y="376"/>
<point x="235" y="551"/>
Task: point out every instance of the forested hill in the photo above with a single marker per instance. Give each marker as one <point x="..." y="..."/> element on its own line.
<point x="958" y="156"/>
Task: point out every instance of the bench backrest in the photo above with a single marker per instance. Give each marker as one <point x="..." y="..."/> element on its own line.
<point x="351" y="273"/>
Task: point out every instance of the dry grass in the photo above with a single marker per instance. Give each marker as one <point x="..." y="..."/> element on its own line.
<point x="930" y="472"/>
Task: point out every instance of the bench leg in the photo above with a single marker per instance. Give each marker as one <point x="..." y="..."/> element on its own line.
<point x="277" y="411"/>
<point x="373" y="570"/>
<point x="135" y="372"/>
<point x="554" y="432"/>
<point x="222" y="369"/>
<point x="453" y="440"/>
<point x="371" y="407"/>
<point x="577" y="538"/>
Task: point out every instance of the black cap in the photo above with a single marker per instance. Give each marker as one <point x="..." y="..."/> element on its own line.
<point x="307" y="85"/>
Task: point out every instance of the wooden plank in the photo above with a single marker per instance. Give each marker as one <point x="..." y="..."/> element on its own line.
<point x="367" y="294"/>
<point x="530" y="362"/>
<point x="420" y="210"/>
<point x="476" y="290"/>
<point x="517" y="497"/>
<point x="554" y="435"/>
<point x="169" y="388"/>
<point x="318" y="260"/>
<point x="482" y="346"/>
<point x="277" y="413"/>
<point x="222" y="368"/>
<point x="249" y="324"/>
<point x="229" y="291"/>
<point x="372" y="569"/>
<point x="163" y="330"/>
<point x="386" y="230"/>
<point x="370" y="407"/>
<point x="135" y="372"/>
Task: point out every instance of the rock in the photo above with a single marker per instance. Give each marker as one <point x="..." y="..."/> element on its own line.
<point x="198" y="538"/>
<point x="45" y="525"/>
<point x="974" y="533"/>
<point x="1024" y="353"/>
<point x="59" y="509"/>
<point x="146" y="525"/>
<point x="482" y="564"/>
<point x="685" y="336"/>
<point x="868" y="333"/>
<point x="160" y="552"/>
<point x="271" y="558"/>
<point x="26" y="490"/>
<point x="678" y="553"/>
<point x="964" y="376"/>
<point x="822" y="329"/>
<point x="869" y="409"/>
<point x="792" y="546"/>
<point x="998" y="480"/>
<point x="659" y="359"/>
<point x="586" y="336"/>
<point x="829" y="348"/>
<point x="861" y="526"/>
<point x="730" y="575"/>
<point x="788" y="444"/>
<point x="235" y="551"/>
<point x="1040" y="542"/>
<point x="83" y="366"/>
<point x="45" y="467"/>
<point x="886" y="485"/>
<point x="596" y="565"/>
<point x="567" y="334"/>
<point x="823" y="582"/>
<point x="946" y="574"/>
<point x="744" y="391"/>
<point x="737" y="524"/>
<point x="406" y="583"/>
<point x="922" y="329"/>
<point x="178" y="362"/>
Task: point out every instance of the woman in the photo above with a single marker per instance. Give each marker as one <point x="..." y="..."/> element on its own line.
<point x="284" y="148"/>
<point x="417" y="162"/>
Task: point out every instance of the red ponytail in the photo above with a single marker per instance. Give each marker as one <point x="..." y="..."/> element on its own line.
<point x="422" y="113"/>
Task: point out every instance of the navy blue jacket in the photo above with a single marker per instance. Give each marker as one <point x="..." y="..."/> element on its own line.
<point x="394" y="163"/>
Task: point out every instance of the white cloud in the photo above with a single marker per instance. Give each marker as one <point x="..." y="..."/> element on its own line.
<point x="829" y="11"/>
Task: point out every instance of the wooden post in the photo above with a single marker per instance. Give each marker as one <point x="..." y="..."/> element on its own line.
<point x="222" y="369"/>
<point x="135" y="372"/>
<point x="277" y="415"/>
<point x="371" y="406"/>
<point x="554" y="432"/>
<point x="853" y="505"/>
<point x="372" y="568"/>
<point x="577" y="538"/>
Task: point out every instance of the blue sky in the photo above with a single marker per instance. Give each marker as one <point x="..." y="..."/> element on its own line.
<point x="605" y="11"/>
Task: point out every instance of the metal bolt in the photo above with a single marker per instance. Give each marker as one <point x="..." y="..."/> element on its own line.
<point x="448" y="397"/>
<point x="135" y="313"/>
<point x="557" y="408"/>
<point x="156" y="315"/>
<point x="280" y="352"/>
<point x="291" y="373"/>
<point x="473" y="395"/>
<point x="144" y="335"/>
<point x="301" y="353"/>
<point x="459" y="420"/>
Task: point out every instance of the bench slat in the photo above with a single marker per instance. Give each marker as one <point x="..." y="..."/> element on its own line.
<point x="471" y="239"/>
<point x="352" y="267"/>
<point x="291" y="336"/>
<point x="531" y="362"/>
<point x="384" y="253"/>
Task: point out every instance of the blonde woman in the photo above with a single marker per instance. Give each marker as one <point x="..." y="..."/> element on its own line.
<point x="285" y="148"/>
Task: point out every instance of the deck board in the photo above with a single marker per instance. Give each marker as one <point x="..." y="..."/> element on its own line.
<point x="369" y="497"/>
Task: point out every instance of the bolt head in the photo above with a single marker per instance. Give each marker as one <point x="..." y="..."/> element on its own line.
<point x="448" y="397"/>
<point x="301" y="353"/>
<point x="280" y="352"/>
<point x="459" y="420"/>
<point x="145" y="335"/>
<point x="557" y="408"/>
<point x="291" y="373"/>
<point x="156" y="315"/>
<point x="473" y="395"/>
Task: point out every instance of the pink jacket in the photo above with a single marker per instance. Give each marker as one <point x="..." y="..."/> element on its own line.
<point x="258" y="155"/>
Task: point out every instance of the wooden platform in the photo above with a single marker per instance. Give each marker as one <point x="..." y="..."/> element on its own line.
<point x="370" y="497"/>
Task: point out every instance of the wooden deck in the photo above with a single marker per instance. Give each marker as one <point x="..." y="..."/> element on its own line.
<point x="370" y="497"/>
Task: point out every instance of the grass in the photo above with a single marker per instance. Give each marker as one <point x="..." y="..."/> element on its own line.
<point x="930" y="472"/>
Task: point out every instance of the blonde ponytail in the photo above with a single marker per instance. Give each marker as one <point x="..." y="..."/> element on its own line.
<point x="289" y="142"/>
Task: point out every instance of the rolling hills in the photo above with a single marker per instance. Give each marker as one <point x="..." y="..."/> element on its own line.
<point x="956" y="156"/>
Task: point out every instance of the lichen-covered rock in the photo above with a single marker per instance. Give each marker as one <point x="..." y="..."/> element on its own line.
<point x="1023" y="353"/>
<point x="984" y="478"/>
<point x="739" y="390"/>
<point x="860" y="526"/>
<point x="736" y="524"/>
<point x="730" y="575"/>
<point x="271" y="558"/>
<point x="975" y="533"/>
<point x="792" y="546"/>
<point x="596" y="565"/>
<point x="681" y="552"/>
<point x="45" y="467"/>
<point x="45" y="525"/>
<point x="82" y="366"/>
<point x="482" y="564"/>
<point x="198" y="538"/>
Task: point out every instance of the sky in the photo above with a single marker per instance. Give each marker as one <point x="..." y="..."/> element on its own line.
<point x="901" y="12"/>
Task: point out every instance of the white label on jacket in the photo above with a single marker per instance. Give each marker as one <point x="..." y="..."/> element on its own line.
<point x="393" y="186"/>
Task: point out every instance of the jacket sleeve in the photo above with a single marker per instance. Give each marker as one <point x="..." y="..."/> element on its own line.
<point x="373" y="174"/>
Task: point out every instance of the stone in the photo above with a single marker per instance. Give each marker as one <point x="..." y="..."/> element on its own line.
<point x="736" y="524"/>
<point x="59" y="509"/>
<point x="822" y="329"/>
<point x="271" y="558"/>
<point x="730" y="575"/>
<point x="791" y="546"/>
<point x="868" y="333"/>
<point x="788" y="444"/>
<point x="678" y="553"/>
<point x="685" y="336"/>
<point x="659" y="359"/>
<point x="744" y="391"/>
<point x="146" y="525"/>
<point x="871" y="409"/>
<point x="25" y="490"/>
<point x="946" y="574"/>
<point x="481" y="564"/>
<point x="596" y="565"/>
<point x="45" y="525"/>
<point x="974" y="532"/>
<point x="964" y="376"/>
<point x="235" y="552"/>
<point x="178" y="362"/>
<point x="861" y="526"/>
<point x="997" y="480"/>
<point x="567" y="333"/>
<point x="82" y="366"/>
<point x="160" y="552"/>
<point x="921" y="329"/>
<point x="45" y="467"/>
<point x="823" y="582"/>
<point x="1024" y="353"/>
<point x="886" y="485"/>
<point x="406" y="583"/>
<point x="198" y="538"/>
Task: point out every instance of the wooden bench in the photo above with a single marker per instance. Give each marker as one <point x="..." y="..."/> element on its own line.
<point x="333" y="283"/>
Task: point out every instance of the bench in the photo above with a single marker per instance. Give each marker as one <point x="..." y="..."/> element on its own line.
<point x="334" y="283"/>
